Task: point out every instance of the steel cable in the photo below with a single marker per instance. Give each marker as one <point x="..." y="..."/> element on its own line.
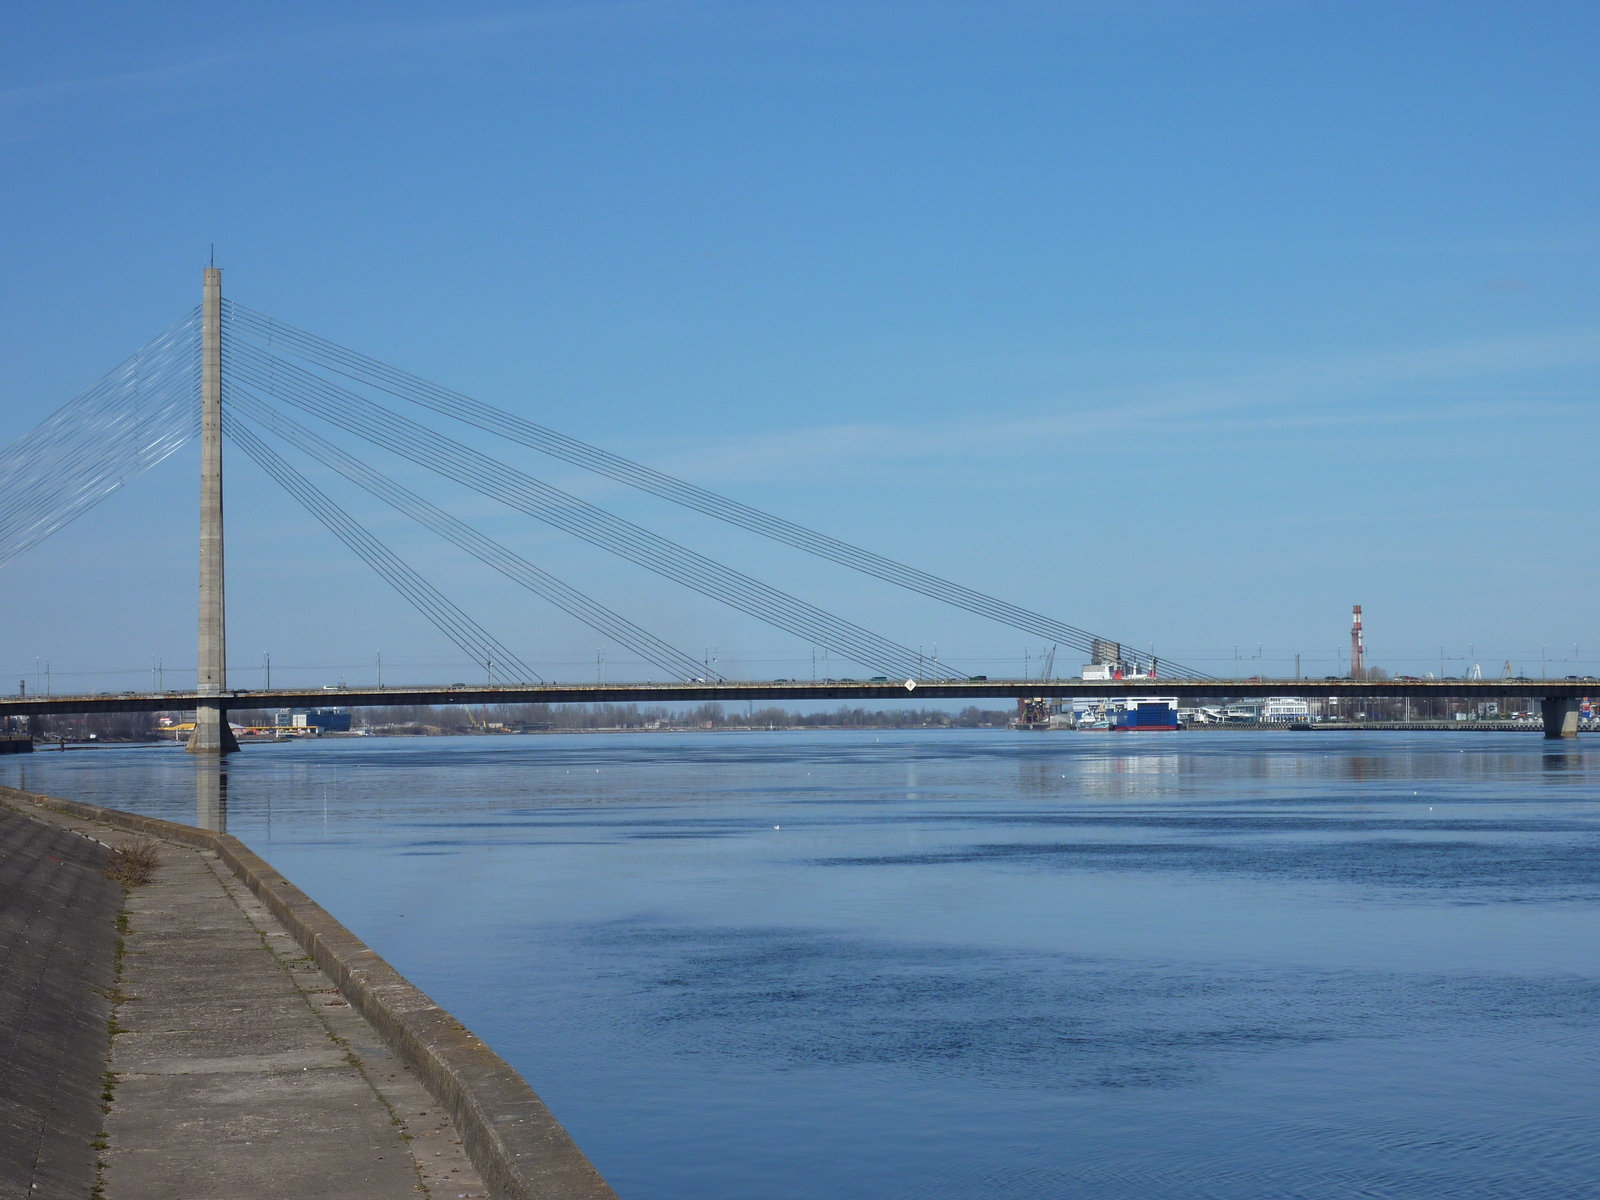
<point x="599" y="618"/>
<point x="101" y="429"/>
<point x="406" y="386"/>
<point x="312" y="394"/>
<point x="91" y="447"/>
<point x="480" y="645"/>
<point x="131" y="419"/>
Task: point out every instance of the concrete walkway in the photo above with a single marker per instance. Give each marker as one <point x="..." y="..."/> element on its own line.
<point x="239" y="1070"/>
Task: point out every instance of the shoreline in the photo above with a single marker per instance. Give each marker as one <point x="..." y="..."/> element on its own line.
<point x="58" y="746"/>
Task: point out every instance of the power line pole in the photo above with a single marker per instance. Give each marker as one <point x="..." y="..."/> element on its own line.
<point x="211" y="732"/>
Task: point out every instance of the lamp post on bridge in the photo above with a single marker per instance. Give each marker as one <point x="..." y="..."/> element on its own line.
<point x="211" y="732"/>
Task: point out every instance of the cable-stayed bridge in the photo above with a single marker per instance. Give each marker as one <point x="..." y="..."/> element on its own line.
<point x="228" y="372"/>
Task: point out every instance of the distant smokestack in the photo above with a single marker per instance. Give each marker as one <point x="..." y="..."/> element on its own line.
<point x="1357" y="647"/>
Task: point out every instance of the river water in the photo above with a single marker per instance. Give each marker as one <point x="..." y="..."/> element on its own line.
<point x="978" y="963"/>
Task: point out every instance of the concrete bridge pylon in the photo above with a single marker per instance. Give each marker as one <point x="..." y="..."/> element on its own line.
<point x="1560" y="716"/>
<point x="212" y="734"/>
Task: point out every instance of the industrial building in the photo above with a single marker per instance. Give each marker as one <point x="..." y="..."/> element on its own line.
<point x="326" y="720"/>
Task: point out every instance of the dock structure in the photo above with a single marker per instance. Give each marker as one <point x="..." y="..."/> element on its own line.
<point x="215" y="1033"/>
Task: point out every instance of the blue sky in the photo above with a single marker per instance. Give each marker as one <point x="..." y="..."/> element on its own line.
<point x="1192" y="323"/>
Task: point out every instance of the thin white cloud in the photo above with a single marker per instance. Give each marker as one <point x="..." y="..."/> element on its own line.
<point x="376" y="39"/>
<point x="60" y="89"/>
<point x="1323" y="393"/>
<point x="310" y="45"/>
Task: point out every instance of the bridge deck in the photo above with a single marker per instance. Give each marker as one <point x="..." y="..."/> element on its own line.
<point x="847" y="691"/>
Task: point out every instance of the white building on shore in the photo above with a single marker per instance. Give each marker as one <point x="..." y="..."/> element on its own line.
<point x="1271" y="710"/>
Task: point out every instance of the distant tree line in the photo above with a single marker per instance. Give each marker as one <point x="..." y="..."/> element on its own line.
<point x="421" y="718"/>
<point x="105" y="727"/>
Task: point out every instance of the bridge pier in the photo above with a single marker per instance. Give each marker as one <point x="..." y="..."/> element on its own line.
<point x="1560" y="716"/>
<point x="212" y="733"/>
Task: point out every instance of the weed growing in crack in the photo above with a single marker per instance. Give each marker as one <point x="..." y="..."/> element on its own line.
<point x="134" y="864"/>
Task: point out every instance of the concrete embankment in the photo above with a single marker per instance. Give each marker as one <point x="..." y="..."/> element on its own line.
<point x="261" y="1049"/>
<point x="58" y="937"/>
